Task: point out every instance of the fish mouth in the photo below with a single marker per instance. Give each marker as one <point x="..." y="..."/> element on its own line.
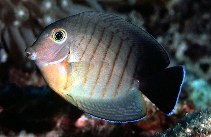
<point x="57" y="58"/>
<point x="30" y="53"/>
<point x="45" y="56"/>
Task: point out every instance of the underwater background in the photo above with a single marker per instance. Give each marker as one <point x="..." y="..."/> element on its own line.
<point x="29" y="108"/>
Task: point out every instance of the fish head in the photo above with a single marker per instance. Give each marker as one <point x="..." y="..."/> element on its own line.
<point x="50" y="53"/>
<point x="52" y="46"/>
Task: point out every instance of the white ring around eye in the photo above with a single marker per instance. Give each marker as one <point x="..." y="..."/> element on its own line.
<point x="59" y="36"/>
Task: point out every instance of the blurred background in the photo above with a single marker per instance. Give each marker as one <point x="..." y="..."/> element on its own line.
<point x="29" y="108"/>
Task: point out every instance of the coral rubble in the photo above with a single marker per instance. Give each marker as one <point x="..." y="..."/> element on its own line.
<point x="196" y="124"/>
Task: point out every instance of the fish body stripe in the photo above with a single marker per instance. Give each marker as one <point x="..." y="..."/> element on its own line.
<point x="90" y="60"/>
<point x="89" y="40"/>
<point x="113" y="75"/>
<point x="104" y="70"/>
<point x="102" y="64"/>
<point x="123" y="72"/>
<point x="93" y="28"/>
<point x="112" y="69"/>
<point x="79" y="29"/>
<point x="128" y="76"/>
<point x="86" y="48"/>
<point x="118" y="70"/>
<point x="79" y="45"/>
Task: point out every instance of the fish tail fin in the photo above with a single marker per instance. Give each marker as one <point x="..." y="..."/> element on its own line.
<point x="164" y="88"/>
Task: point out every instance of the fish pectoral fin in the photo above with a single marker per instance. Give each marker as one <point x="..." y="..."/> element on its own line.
<point x="70" y="99"/>
<point x="163" y="88"/>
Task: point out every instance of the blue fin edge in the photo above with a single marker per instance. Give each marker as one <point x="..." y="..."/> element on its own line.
<point x="184" y="74"/>
<point x="116" y="122"/>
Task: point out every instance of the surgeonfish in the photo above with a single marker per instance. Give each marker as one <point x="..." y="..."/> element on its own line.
<point x="103" y="65"/>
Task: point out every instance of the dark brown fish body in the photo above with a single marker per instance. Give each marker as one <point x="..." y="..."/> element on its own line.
<point x="101" y="64"/>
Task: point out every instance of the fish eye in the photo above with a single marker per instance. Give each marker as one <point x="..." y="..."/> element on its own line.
<point x="59" y="35"/>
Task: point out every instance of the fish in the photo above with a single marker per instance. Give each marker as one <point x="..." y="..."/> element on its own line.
<point x="104" y="65"/>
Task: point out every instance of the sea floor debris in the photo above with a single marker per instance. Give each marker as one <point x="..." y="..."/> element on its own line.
<point x="196" y="124"/>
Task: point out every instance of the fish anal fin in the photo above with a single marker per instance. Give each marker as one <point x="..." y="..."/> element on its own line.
<point x="122" y="109"/>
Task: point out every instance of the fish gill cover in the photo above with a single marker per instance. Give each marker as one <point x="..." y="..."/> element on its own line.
<point x="182" y="27"/>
